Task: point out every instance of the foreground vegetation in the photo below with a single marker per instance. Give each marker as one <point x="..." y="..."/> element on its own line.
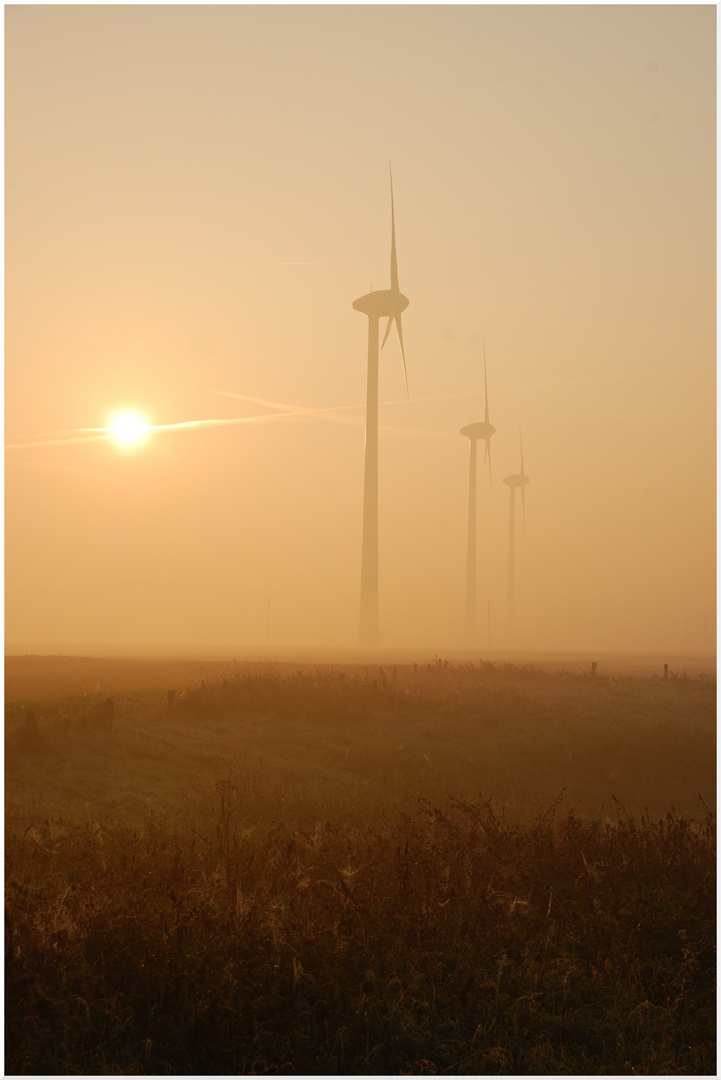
<point x="376" y="914"/>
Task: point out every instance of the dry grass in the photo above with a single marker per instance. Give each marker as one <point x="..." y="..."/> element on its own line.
<point x="477" y="869"/>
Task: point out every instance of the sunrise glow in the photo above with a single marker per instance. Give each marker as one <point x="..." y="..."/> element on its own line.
<point x="129" y="429"/>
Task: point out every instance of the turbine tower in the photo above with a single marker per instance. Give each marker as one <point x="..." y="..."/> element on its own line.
<point x="387" y="303"/>
<point x="517" y="480"/>
<point x="483" y="429"/>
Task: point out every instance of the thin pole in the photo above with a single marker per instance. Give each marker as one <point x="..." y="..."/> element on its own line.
<point x="512" y="561"/>
<point x="368" y="632"/>
<point x="471" y="557"/>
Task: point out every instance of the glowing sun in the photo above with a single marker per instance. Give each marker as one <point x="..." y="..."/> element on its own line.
<point x="128" y="428"/>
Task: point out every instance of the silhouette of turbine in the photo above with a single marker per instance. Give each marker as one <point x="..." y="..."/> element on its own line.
<point x="483" y="429"/>
<point x="517" y="480"/>
<point x="387" y="303"/>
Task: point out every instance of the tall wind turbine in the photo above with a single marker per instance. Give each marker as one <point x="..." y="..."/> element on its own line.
<point x="517" y="480"/>
<point x="483" y="429"/>
<point x="387" y="303"/>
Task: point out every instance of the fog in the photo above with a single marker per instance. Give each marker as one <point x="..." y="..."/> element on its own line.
<point x="194" y="199"/>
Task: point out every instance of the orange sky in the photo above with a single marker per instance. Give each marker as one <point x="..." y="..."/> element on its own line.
<point x="194" y="198"/>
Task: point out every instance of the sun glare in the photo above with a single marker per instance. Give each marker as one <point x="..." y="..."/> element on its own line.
<point x="129" y="429"/>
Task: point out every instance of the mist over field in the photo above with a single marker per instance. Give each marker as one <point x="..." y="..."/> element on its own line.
<point x="196" y="198"/>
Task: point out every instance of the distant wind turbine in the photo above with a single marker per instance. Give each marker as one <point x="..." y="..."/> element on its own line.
<point x="517" y="480"/>
<point x="387" y="303"/>
<point x="483" y="429"/>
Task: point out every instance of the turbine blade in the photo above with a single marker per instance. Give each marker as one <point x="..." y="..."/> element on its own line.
<point x="403" y="355"/>
<point x="394" y="261"/>
<point x="485" y="384"/>
<point x="520" y="436"/>
<point x="397" y="320"/>
<point x="488" y="455"/>
<point x="523" y="507"/>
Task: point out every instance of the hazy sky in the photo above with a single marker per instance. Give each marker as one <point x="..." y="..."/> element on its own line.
<point x="194" y="198"/>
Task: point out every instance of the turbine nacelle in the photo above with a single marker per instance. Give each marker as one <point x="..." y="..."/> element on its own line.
<point x="384" y="304"/>
<point x="517" y="480"/>
<point x="482" y="429"/>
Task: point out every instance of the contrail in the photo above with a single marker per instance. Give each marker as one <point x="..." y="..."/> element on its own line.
<point x="340" y="408"/>
<point x="291" y="410"/>
<point x="86" y="434"/>
<point x="283" y="411"/>
<point x="55" y="442"/>
<point x="333" y="408"/>
<point x="323" y="412"/>
<point x="82" y="435"/>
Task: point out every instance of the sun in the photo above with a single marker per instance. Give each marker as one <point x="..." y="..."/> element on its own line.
<point x="129" y="429"/>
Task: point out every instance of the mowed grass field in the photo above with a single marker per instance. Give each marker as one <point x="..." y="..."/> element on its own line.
<point x="472" y="868"/>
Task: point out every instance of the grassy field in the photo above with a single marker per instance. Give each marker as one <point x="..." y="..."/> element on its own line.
<point x="473" y="868"/>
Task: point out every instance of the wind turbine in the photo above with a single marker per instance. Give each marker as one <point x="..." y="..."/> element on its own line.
<point x="387" y="303"/>
<point x="483" y="429"/>
<point x="517" y="480"/>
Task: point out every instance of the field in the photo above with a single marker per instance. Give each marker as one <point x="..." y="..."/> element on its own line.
<point x="465" y="868"/>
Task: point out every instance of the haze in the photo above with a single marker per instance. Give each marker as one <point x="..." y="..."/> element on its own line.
<point x="195" y="196"/>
